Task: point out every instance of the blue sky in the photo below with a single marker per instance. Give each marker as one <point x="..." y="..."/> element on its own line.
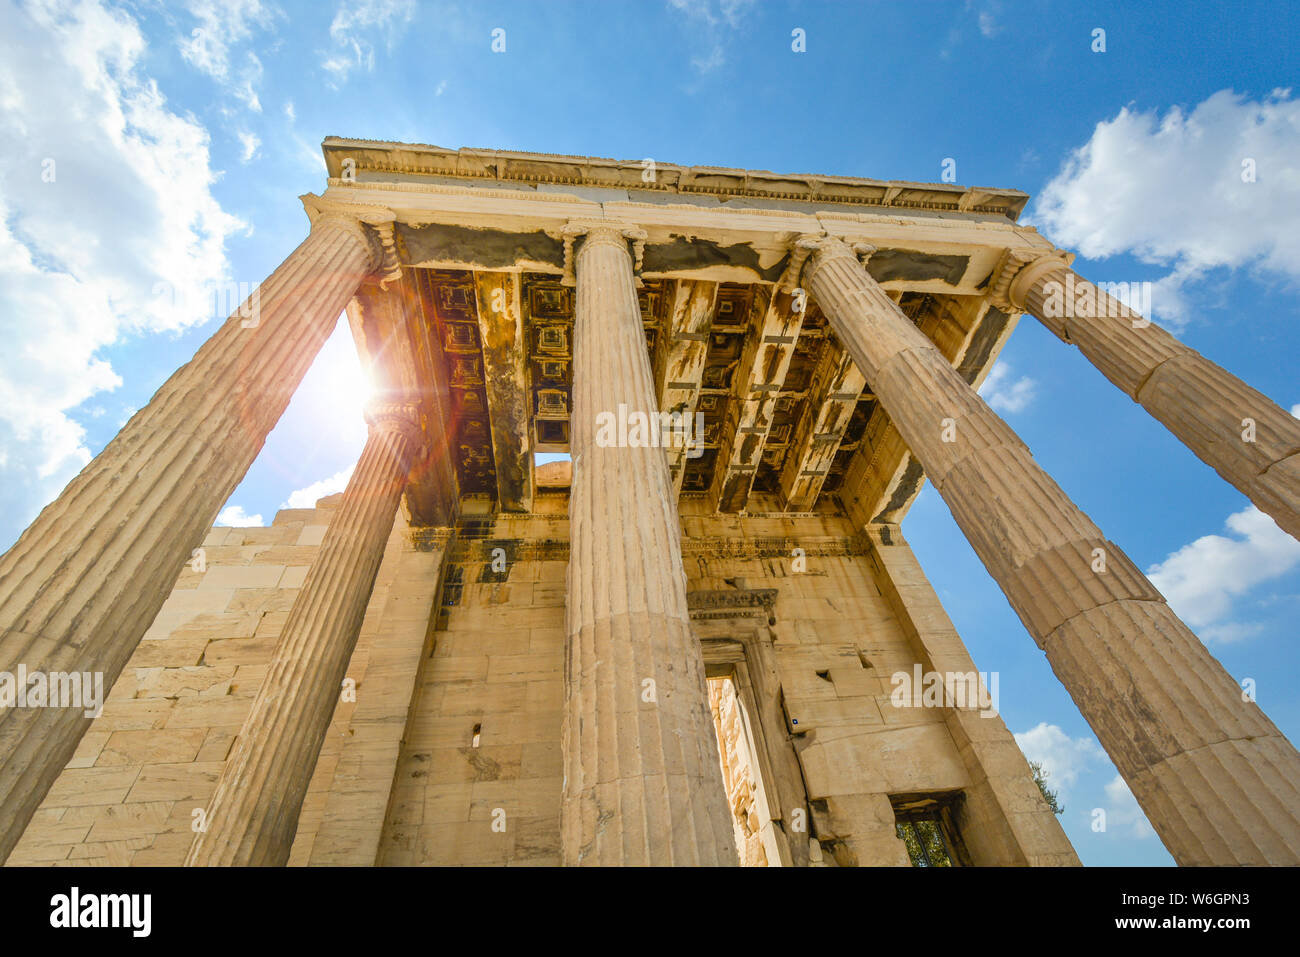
<point x="151" y="149"/>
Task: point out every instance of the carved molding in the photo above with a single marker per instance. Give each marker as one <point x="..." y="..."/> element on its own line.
<point x="1016" y="269"/>
<point x="390" y="267"/>
<point x="395" y="416"/>
<point x="534" y="167"/>
<point x="432" y="217"/>
<point x="517" y="550"/>
<point x="823" y="248"/>
<point x="602" y="231"/>
<point x="557" y="550"/>
<point x="380" y="236"/>
<point x="732" y="603"/>
<point x="800" y="250"/>
<point x="430" y="539"/>
<point x="863" y="251"/>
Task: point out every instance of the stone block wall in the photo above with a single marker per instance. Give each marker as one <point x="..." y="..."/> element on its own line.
<point x="483" y="745"/>
<point x="480" y="775"/>
<point x="446" y="749"/>
<point x="152" y="758"/>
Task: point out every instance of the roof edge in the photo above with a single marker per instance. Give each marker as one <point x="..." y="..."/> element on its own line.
<point x="648" y="174"/>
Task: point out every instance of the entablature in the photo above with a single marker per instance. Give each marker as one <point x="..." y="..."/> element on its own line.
<point x="480" y="246"/>
<point x="472" y="227"/>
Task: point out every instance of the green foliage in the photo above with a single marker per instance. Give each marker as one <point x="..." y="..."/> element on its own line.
<point x="925" y="844"/>
<point x="1040" y="778"/>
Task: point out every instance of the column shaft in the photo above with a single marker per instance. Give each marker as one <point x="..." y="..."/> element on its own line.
<point x="1217" y="780"/>
<point x="85" y="581"/>
<point x="643" y="783"/>
<point x="1239" y="432"/>
<point x="253" y="815"/>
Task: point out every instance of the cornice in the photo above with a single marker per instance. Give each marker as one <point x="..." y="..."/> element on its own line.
<point x="526" y="167"/>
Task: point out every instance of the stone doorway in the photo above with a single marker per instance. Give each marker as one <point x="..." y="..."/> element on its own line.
<point x="754" y="828"/>
<point x="771" y="814"/>
<point x="760" y="768"/>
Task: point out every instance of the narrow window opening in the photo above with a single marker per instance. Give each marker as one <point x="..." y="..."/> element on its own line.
<point x="478" y="729"/>
<point x="927" y="826"/>
<point x="552" y="470"/>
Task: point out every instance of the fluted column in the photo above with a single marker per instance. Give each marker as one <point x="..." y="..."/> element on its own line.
<point x="253" y="816"/>
<point x="1239" y="432"/>
<point x="643" y="784"/>
<point x="1219" y="783"/>
<point x="81" y="586"/>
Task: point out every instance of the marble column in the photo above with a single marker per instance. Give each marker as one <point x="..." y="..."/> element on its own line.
<point x="1239" y="432"/>
<point x="85" y="581"/>
<point x="643" y="784"/>
<point x="253" y="816"/>
<point x="1219" y="783"/>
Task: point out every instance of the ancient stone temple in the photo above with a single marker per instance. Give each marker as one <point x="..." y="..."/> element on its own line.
<point x="702" y="638"/>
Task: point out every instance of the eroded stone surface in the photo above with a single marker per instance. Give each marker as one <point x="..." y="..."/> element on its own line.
<point x="502" y="713"/>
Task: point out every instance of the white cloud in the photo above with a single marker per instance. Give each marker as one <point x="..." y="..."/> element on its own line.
<point x="1170" y="190"/>
<point x="1123" y="815"/>
<point x="707" y="64"/>
<point x="709" y="22"/>
<point x="1295" y="410"/>
<point x="1063" y="758"/>
<point x="222" y="25"/>
<point x="354" y="28"/>
<point x="250" y="143"/>
<point x="713" y="12"/>
<point x="234" y="516"/>
<point x="118" y="238"/>
<point x="289" y="111"/>
<point x="245" y="89"/>
<point x="988" y="20"/>
<point x="307" y="497"/>
<point x="1202" y="579"/>
<point x="309" y="155"/>
<point x="1230" y="631"/>
<point x="1005" y="395"/>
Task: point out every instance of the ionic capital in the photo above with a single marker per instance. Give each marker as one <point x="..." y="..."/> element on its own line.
<point x="599" y="231"/>
<point x="802" y="247"/>
<point x="402" y="417"/>
<point x="1016" y="272"/>
<point x="864" y="251"/>
<point x="810" y="251"/>
<point x="372" y="225"/>
<point x="390" y="266"/>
